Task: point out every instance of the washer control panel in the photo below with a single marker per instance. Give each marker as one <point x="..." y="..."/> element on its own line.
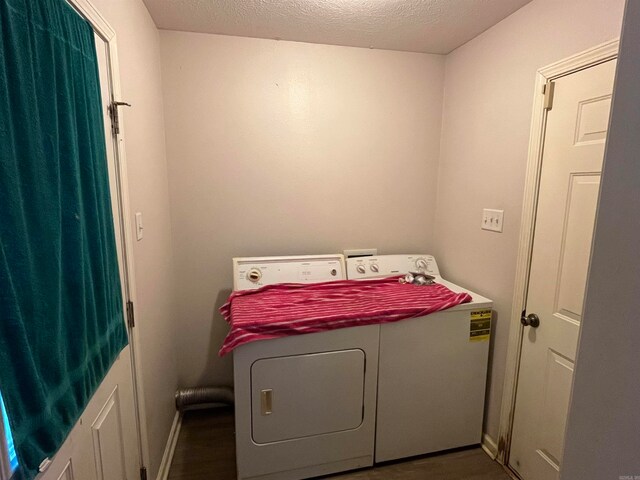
<point x="255" y="272"/>
<point x="387" y="265"/>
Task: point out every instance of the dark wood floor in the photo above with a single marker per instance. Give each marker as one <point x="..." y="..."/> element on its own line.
<point x="206" y="451"/>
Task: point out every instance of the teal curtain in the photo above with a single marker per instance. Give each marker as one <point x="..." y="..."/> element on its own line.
<point x="61" y="319"/>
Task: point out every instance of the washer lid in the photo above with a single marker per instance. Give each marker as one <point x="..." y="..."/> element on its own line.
<point x="387" y="265"/>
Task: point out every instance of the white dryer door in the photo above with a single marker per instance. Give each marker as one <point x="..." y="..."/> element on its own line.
<point x="305" y="395"/>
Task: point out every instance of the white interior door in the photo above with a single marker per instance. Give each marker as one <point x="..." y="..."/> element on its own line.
<point x="569" y="185"/>
<point x="104" y="444"/>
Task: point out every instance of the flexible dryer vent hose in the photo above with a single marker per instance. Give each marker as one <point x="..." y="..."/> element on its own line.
<point x="203" y="396"/>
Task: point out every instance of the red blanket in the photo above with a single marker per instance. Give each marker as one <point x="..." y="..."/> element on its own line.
<point x="295" y="308"/>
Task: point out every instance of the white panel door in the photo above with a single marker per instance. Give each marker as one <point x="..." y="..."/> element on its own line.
<point x="108" y="440"/>
<point x="103" y="444"/>
<point x="568" y="197"/>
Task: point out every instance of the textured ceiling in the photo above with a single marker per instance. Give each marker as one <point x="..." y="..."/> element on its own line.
<point x="430" y="26"/>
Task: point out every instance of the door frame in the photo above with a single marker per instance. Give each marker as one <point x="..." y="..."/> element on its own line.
<point x="588" y="58"/>
<point x="102" y="28"/>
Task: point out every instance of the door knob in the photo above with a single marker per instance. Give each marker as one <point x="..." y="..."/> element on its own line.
<point x="531" y="320"/>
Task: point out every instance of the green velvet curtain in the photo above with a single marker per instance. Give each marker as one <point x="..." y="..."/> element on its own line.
<point x="61" y="319"/>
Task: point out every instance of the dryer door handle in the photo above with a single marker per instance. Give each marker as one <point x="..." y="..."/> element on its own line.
<point x="266" y="401"/>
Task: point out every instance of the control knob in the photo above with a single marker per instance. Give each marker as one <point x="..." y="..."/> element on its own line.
<point x="254" y="275"/>
<point x="374" y="268"/>
<point x="422" y="264"/>
<point x="361" y="269"/>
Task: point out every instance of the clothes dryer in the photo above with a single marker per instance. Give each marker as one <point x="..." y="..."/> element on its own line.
<point x="304" y="405"/>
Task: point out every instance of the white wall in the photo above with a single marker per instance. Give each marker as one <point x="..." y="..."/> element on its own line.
<point x="604" y="412"/>
<point x="139" y="56"/>
<point x="279" y="148"/>
<point x="489" y="88"/>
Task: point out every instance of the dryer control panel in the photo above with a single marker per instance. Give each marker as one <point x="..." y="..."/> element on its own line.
<point x="387" y="265"/>
<point x="255" y="272"/>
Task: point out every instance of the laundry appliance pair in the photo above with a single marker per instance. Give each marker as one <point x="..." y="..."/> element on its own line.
<point x="346" y="398"/>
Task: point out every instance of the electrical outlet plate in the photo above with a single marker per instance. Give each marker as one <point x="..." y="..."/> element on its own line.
<point x="492" y="220"/>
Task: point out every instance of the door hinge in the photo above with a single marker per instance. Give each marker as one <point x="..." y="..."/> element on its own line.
<point x="131" y="320"/>
<point x="143" y="473"/>
<point x="115" y="115"/>
<point x="548" y="90"/>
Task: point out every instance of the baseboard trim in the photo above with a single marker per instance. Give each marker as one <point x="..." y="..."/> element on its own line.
<point x="489" y="446"/>
<point x="170" y="448"/>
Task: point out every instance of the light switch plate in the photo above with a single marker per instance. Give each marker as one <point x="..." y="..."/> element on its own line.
<point x="139" y="227"/>
<point x="492" y="220"/>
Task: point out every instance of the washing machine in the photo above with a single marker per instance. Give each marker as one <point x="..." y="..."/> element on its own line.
<point x="305" y="405"/>
<point x="432" y="370"/>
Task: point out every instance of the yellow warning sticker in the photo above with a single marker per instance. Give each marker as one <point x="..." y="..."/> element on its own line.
<point x="480" y="325"/>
